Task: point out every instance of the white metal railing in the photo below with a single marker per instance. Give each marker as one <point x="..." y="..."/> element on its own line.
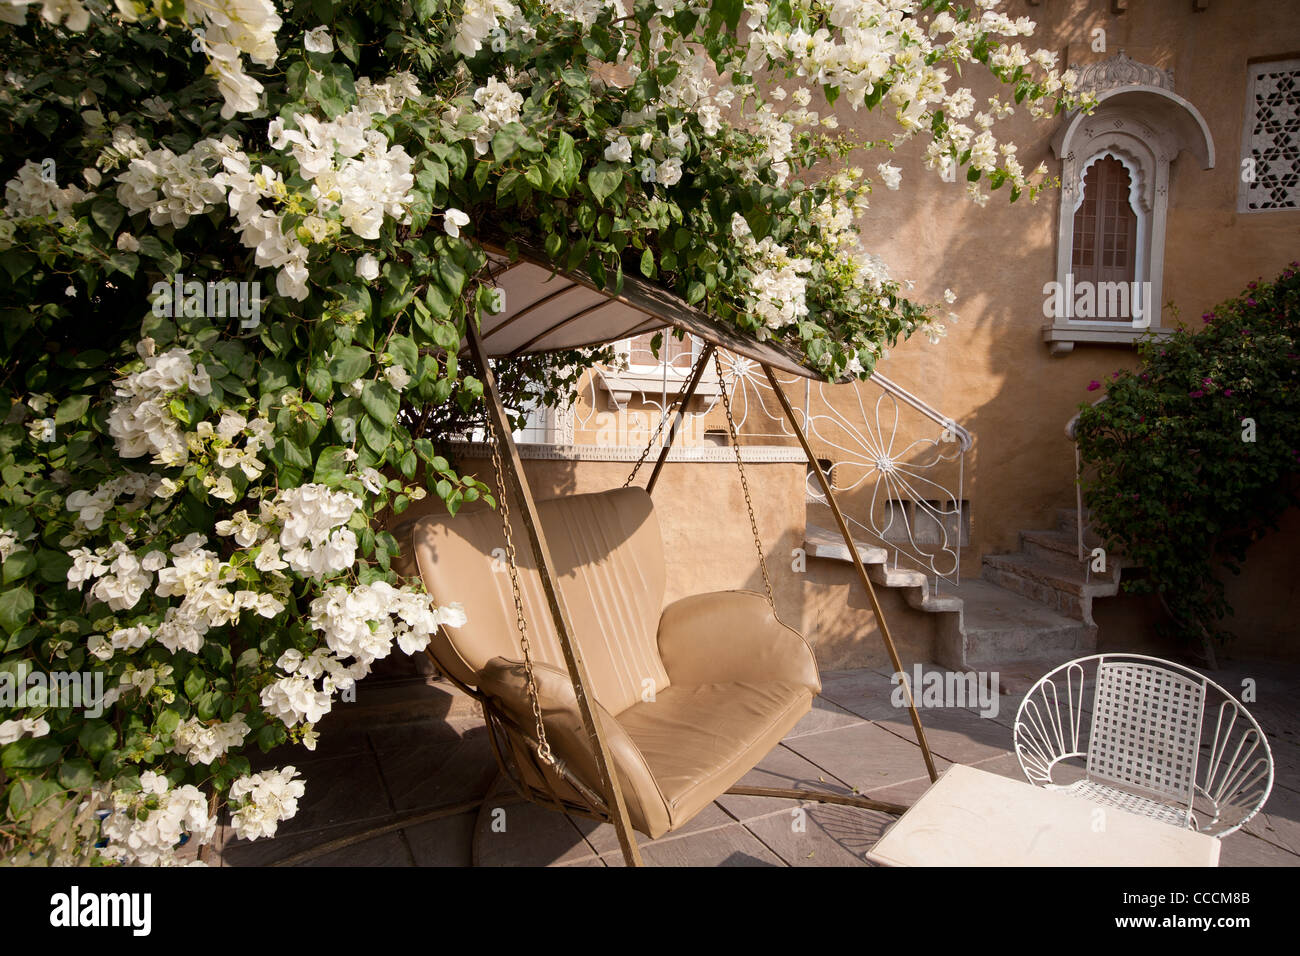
<point x="1071" y="432"/>
<point x="897" y="463"/>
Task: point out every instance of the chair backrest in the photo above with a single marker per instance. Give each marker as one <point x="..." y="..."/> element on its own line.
<point x="1146" y="729"/>
<point x="609" y="558"/>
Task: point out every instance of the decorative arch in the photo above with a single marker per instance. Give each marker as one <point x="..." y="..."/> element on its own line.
<point x="1146" y="126"/>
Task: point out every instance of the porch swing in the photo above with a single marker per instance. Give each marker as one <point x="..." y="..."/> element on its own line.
<point x="599" y="701"/>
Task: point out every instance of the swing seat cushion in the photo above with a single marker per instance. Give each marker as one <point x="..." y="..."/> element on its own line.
<point x="689" y="697"/>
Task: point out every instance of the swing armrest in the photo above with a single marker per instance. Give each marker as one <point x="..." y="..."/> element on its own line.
<point x="506" y="681"/>
<point x="731" y="636"/>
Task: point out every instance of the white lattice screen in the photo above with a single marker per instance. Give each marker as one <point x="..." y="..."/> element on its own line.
<point x="1271" y="138"/>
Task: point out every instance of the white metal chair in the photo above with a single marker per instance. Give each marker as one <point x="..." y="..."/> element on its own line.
<point x="1161" y="740"/>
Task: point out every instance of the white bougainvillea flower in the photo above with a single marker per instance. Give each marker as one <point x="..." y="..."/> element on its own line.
<point x="452" y="221"/>
<point x="397" y="376"/>
<point x="318" y="40"/>
<point x="368" y="268"/>
<point x="619" y="151"/>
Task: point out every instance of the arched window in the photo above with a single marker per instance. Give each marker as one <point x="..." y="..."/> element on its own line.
<point x="1114" y="200"/>
<point x="1105" y="241"/>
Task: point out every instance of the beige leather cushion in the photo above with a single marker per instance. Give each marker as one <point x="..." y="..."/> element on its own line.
<point x="608" y="554"/>
<point x="732" y="636"/>
<point x="673" y="756"/>
<point x="699" y="740"/>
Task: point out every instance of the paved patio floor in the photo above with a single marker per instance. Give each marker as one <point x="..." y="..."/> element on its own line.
<point x="365" y="776"/>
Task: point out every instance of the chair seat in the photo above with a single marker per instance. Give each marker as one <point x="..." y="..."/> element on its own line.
<point x="1126" y="800"/>
<point x="697" y="740"/>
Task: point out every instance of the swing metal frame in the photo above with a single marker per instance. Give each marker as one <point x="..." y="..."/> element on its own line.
<point x="516" y="746"/>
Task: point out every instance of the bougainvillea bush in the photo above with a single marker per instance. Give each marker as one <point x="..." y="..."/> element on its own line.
<point x="238" y="252"/>
<point x="1196" y="453"/>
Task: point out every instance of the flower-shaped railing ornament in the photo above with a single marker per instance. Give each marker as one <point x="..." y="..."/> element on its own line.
<point x="1146" y="736"/>
<point x="896" y="464"/>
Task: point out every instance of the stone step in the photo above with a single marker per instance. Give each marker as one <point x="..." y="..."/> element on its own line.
<point x="1054" y="545"/>
<point x="829" y="543"/>
<point x="1063" y="547"/>
<point x="1068" y="578"/>
<point x="924" y="598"/>
<point x="1058" y="586"/>
<point x="1066" y="524"/>
<point x="1003" y="627"/>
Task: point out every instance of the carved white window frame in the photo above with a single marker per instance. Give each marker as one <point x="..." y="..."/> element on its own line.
<point x="1148" y="191"/>
<point x="1144" y="127"/>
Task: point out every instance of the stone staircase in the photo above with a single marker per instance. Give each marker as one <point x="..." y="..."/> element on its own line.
<point x="1029" y="609"/>
<point x="1047" y="570"/>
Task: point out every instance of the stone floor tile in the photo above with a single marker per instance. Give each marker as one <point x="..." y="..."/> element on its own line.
<point x="784" y="768"/>
<point x="388" y="849"/>
<point x="1279" y="820"/>
<point x="1242" y="849"/>
<point x="824" y="715"/>
<point x="866" y="756"/>
<point x="863" y="692"/>
<point x="822" y="835"/>
<point x="439" y="772"/>
<point x="532" y="836"/>
<point x="604" y="839"/>
<point x="339" y="790"/>
<point x="731" y="845"/>
<point x="445" y="842"/>
<point x="955" y="734"/>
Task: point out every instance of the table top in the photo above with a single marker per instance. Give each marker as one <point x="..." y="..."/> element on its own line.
<point x="975" y="818"/>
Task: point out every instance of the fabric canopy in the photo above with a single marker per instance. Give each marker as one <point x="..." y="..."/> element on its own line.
<point x="547" y="310"/>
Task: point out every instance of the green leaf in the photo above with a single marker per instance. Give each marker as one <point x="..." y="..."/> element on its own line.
<point x="331" y="465"/>
<point x="76" y="774"/>
<point x="603" y="180"/>
<point x="381" y="402"/>
<point x="30" y="753"/>
<point x="19" y="565"/>
<point x="373" y="435"/>
<point x="97" y="737"/>
<point x="16" y="606"/>
<point x="271" y="736"/>
<point x="71" y="409"/>
<point x="402" y="348"/>
<point x="452" y="275"/>
<point x="349" y="363"/>
<point x="320" y="383"/>
<point x="167" y="722"/>
<point x="107" y="213"/>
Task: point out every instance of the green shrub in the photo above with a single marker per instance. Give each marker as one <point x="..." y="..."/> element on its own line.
<point x="1195" y="454"/>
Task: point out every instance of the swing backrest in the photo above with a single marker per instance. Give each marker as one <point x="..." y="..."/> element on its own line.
<point x="609" y="557"/>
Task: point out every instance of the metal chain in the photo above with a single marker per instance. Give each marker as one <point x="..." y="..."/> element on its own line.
<point x="645" y="452"/>
<point x="543" y="746"/>
<point x="744" y="483"/>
